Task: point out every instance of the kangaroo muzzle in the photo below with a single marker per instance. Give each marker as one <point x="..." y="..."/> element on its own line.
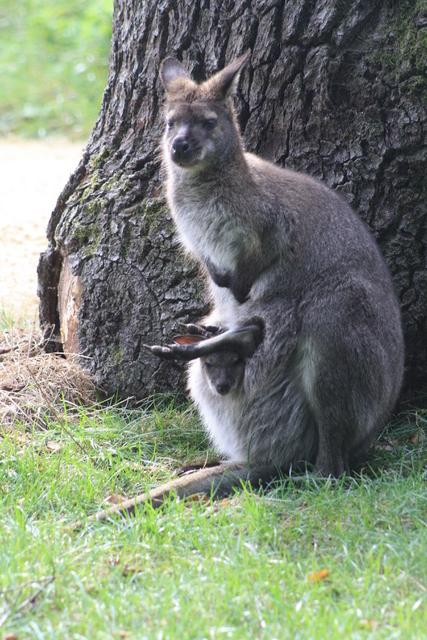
<point x="181" y="150"/>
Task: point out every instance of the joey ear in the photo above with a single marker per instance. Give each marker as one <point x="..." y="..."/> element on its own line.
<point x="225" y="81"/>
<point x="170" y="70"/>
<point x="188" y="339"/>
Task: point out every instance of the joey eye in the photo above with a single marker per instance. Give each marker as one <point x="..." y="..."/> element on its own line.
<point x="170" y="123"/>
<point x="210" y="123"/>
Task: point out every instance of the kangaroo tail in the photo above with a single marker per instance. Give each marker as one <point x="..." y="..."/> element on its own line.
<point x="218" y="481"/>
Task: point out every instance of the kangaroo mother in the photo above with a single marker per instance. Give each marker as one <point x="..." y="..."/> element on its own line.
<point x="283" y="247"/>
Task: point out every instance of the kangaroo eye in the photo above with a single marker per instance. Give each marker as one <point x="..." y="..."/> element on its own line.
<point x="170" y="123"/>
<point x="210" y="123"/>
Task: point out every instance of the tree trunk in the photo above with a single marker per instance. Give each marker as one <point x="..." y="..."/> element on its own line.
<point x="334" y="88"/>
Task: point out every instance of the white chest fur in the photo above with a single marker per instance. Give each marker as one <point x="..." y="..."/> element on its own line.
<point x="207" y="229"/>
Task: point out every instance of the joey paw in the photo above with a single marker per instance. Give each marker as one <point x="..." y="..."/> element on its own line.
<point x="220" y="278"/>
<point x="240" y="292"/>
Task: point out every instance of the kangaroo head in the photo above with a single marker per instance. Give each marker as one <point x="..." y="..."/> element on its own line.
<point x="224" y="371"/>
<point x="201" y="128"/>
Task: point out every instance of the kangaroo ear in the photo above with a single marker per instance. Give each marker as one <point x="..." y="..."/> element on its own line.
<point x="224" y="82"/>
<point x="188" y="339"/>
<point x="170" y="70"/>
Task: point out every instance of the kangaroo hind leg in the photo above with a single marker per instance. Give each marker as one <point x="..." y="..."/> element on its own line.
<point x="327" y="387"/>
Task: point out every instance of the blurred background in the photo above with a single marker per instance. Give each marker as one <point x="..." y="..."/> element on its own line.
<point x="53" y="70"/>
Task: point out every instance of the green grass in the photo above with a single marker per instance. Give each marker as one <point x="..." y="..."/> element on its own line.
<point x="8" y="321"/>
<point x="53" y="62"/>
<point x="237" y="569"/>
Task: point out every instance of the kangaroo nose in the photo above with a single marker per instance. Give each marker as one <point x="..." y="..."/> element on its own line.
<point x="223" y="388"/>
<point x="180" y="146"/>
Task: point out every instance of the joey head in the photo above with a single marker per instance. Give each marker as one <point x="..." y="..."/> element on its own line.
<point x="224" y="372"/>
<point x="223" y="365"/>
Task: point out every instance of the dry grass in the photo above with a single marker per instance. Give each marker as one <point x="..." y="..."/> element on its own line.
<point x="34" y="385"/>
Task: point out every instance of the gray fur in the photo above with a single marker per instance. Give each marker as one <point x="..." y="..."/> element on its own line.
<point x="281" y="246"/>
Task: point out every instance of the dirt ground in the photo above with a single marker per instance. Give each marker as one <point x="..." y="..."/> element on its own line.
<point x="32" y="175"/>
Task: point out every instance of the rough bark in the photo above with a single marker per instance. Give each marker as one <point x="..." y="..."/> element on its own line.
<point x="335" y="88"/>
